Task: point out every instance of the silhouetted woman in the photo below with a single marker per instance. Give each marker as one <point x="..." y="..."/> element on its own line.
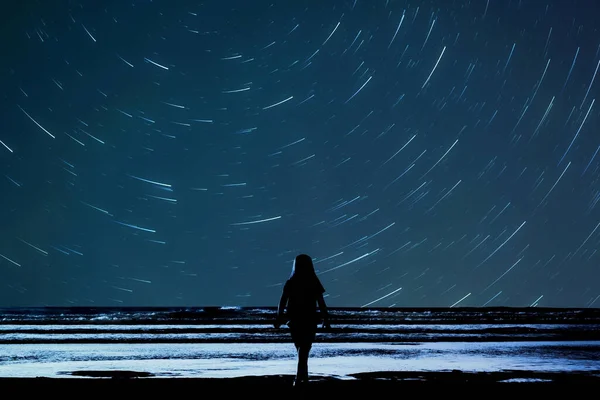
<point x="302" y="293"/>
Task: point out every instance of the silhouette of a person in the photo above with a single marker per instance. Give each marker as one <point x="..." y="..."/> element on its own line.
<point x="302" y="293"/>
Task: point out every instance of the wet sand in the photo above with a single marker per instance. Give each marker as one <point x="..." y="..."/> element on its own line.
<point x="507" y="367"/>
<point x="128" y="383"/>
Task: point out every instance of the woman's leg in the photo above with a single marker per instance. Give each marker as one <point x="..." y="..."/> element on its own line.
<point x="303" y="337"/>
<point x="302" y="370"/>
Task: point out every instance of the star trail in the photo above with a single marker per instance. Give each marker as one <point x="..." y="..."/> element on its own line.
<point x="425" y="154"/>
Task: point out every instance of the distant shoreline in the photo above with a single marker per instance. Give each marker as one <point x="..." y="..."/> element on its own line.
<point x="255" y="325"/>
<point x="274" y="308"/>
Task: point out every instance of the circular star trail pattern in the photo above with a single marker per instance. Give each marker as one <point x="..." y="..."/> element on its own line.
<point x="438" y="154"/>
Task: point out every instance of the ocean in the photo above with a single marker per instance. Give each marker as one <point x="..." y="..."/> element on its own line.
<point x="230" y="341"/>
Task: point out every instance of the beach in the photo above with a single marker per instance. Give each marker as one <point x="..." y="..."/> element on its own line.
<point x="226" y="349"/>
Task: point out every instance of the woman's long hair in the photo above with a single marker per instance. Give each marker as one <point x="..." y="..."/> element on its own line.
<point x="303" y="269"/>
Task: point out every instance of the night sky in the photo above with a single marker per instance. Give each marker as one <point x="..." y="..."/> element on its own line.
<point x="181" y="153"/>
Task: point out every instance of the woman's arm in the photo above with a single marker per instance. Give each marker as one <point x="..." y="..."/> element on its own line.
<point x="281" y="309"/>
<point x="324" y="311"/>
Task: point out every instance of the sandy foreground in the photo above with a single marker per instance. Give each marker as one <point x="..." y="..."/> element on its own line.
<point x="340" y="368"/>
<point x="385" y="384"/>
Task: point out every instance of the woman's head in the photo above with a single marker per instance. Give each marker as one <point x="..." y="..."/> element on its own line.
<point x="303" y="266"/>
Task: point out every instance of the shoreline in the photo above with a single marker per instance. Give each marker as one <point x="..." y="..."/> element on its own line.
<point x="336" y="361"/>
<point x="115" y="351"/>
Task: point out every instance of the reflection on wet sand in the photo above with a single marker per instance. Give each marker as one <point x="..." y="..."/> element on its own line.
<point x="342" y="360"/>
